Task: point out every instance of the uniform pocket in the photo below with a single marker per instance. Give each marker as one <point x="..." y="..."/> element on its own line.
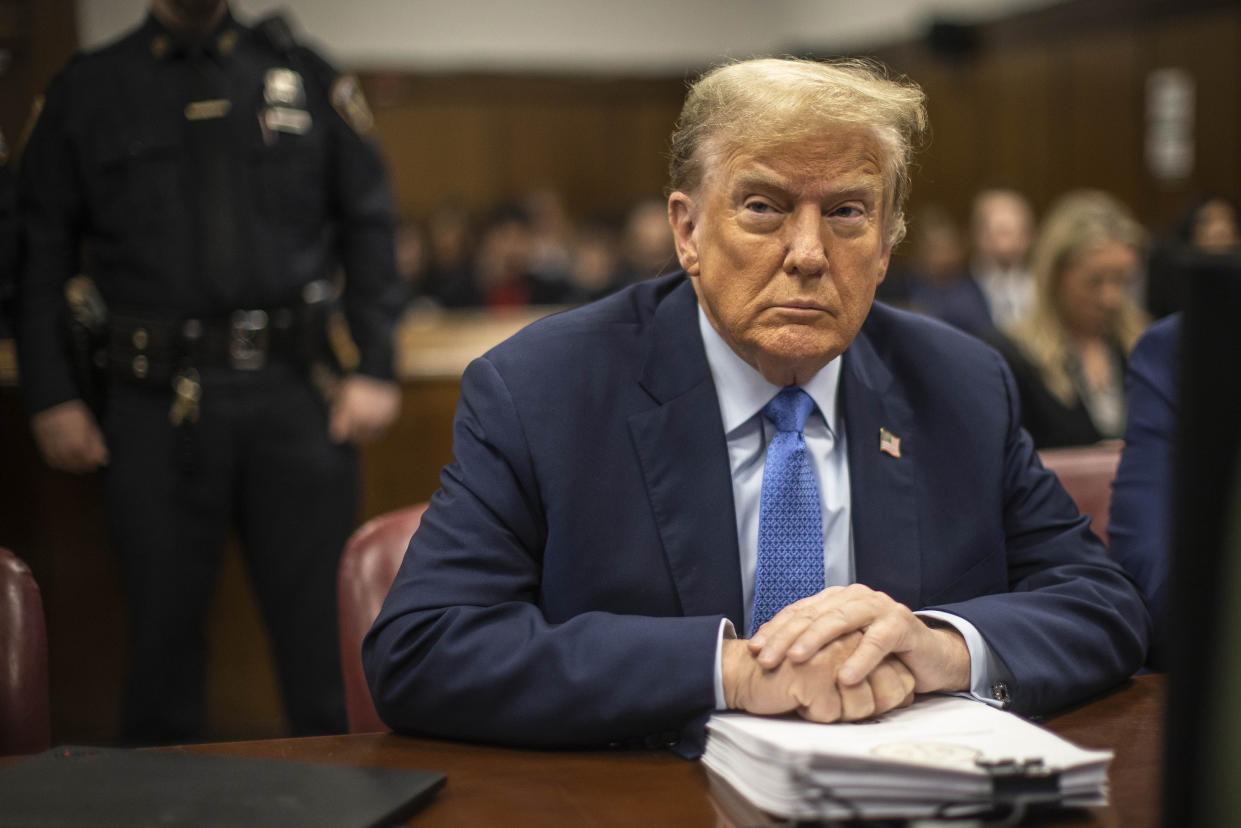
<point x="136" y="176"/>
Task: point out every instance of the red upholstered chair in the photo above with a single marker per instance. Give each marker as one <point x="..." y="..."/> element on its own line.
<point x="367" y="568"/>
<point x="24" y="712"/>
<point x="1087" y="474"/>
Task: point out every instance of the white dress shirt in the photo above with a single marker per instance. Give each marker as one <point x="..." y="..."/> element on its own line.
<point x="742" y="393"/>
<point x="1009" y="292"/>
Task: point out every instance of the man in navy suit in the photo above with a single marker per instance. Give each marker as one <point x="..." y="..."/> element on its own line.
<point x="605" y="531"/>
<point x="1140" y="523"/>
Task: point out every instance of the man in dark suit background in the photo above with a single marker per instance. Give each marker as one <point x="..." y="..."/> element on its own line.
<point x="613" y="515"/>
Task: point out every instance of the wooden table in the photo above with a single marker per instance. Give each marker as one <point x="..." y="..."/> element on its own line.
<point x="498" y="786"/>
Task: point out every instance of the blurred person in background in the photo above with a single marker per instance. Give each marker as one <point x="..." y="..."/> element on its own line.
<point x="932" y="279"/>
<point x="1068" y="353"/>
<point x="594" y="263"/>
<point x="448" y="279"/>
<point x="647" y="246"/>
<point x="551" y="234"/>
<point x="213" y="179"/>
<point x="1208" y="225"/>
<point x="1002" y="227"/>
<point x="504" y="270"/>
<point x="411" y="255"/>
<point x="502" y="264"/>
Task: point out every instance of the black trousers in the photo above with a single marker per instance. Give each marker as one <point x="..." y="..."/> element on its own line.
<point x="258" y="460"/>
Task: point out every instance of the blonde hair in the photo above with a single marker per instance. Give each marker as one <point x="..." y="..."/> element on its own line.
<point x="768" y="102"/>
<point x="1078" y="222"/>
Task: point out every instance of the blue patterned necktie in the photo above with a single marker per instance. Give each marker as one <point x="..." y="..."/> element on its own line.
<point x="790" y="530"/>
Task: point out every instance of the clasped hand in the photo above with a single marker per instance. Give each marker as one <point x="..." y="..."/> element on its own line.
<point x="844" y="654"/>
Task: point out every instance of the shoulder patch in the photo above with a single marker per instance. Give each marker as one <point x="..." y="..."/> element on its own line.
<point x="348" y="100"/>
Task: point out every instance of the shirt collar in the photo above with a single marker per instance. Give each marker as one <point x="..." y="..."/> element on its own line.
<point x="743" y="391"/>
<point x="165" y="43"/>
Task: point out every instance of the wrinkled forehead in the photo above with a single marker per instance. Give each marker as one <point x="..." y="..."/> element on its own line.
<point x="833" y="151"/>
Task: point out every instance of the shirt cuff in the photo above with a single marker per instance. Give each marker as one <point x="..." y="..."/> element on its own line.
<point x="989" y="678"/>
<point x="726" y="631"/>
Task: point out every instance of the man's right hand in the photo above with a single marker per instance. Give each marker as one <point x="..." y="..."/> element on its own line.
<point x="810" y="688"/>
<point x="69" y="438"/>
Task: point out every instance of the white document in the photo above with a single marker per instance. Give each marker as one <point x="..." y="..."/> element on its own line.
<point x="934" y="757"/>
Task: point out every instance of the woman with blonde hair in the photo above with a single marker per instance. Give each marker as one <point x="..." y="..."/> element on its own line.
<point x="1068" y="353"/>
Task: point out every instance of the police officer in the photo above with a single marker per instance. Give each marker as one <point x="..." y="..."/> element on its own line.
<point x="213" y="180"/>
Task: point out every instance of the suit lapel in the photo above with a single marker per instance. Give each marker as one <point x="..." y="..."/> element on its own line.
<point x="885" y="525"/>
<point x="684" y="457"/>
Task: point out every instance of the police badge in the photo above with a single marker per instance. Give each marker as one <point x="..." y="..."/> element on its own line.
<point x="285" y="97"/>
<point x="284" y="88"/>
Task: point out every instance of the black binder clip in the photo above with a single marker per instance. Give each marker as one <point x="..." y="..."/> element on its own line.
<point x="1017" y="785"/>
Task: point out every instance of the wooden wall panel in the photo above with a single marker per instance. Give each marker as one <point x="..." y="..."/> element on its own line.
<point x="1064" y="107"/>
<point x="1209" y="47"/>
<point x="1099" y="82"/>
<point x="946" y="169"/>
<point x="440" y="151"/>
<point x="39" y="36"/>
<point x="1016" y="97"/>
<point x="485" y="140"/>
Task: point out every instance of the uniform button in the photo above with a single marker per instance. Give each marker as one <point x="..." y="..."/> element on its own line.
<point x="140" y="366"/>
<point x="140" y="338"/>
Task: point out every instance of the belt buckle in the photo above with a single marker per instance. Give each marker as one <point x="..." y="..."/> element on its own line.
<point x="247" y="340"/>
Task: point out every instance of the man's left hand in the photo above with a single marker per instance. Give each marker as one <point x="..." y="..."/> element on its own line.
<point x="363" y="409"/>
<point x="937" y="656"/>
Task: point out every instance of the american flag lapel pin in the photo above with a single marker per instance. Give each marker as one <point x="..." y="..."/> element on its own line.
<point x="889" y="443"/>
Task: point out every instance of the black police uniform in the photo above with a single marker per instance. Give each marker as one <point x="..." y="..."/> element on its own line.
<point x="8" y="240"/>
<point x="214" y="186"/>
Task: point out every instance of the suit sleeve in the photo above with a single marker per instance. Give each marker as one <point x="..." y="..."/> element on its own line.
<point x="50" y="208"/>
<point x="1139" y="525"/>
<point x="1072" y="620"/>
<point x="461" y="647"/>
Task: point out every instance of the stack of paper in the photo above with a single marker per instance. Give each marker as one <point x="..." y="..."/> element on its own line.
<point x="944" y="755"/>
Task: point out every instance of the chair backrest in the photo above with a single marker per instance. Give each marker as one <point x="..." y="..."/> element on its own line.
<point x="368" y="566"/>
<point x="25" y="720"/>
<point x="1087" y="474"/>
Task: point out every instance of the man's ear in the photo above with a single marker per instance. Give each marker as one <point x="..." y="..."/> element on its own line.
<point x="683" y="217"/>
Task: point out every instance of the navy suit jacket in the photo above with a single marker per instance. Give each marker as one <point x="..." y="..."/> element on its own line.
<point x="567" y="583"/>
<point x="1140" y="521"/>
